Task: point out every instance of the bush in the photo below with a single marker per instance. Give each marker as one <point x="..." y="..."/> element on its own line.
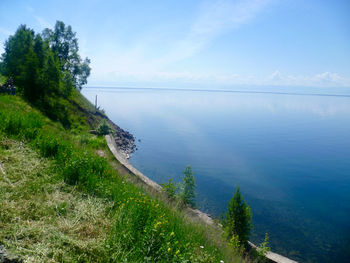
<point x="170" y="189"/>
<point x="103" y="128"/>
<point x="263" y="248"/>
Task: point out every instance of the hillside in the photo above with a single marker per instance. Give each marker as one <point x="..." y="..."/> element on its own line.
<point x="66" y="199"/>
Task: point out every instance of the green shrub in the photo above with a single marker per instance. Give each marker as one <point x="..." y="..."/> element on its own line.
<point x="103" y="128"/>
<point x="263" y="248"/>
<point x="170" y="189"/>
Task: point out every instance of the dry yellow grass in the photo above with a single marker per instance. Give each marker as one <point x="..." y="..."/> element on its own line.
<point x="42" y="219"/>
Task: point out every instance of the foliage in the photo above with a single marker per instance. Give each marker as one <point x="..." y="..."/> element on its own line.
<point x="103" y="128"/>
<point x="234" y="242"/>
<point x="45" y="68"/>
<point x="170" y="189"/>
<point x="31" y="63"/>
<point x="238" y="219"/>
<point x="188" y="194"/>
<point x="64" y="44"/>
<point x="263" y="248"/>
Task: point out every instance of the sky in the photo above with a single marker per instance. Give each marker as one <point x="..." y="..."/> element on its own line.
<point x="200" y="43"/>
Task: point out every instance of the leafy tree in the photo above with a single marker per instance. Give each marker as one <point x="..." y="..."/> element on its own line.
<point x="16" y="49"/>
<point x="28" y="76"/>
<point x="188" y="188"/>
<point x="238" y="219"/>
<point x="30" y="62"/>
<point x="64" y="44"/>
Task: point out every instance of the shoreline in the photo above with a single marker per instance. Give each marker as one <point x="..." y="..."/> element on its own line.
<point x="192" y="213"/>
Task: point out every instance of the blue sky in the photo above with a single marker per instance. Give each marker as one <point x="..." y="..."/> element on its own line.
<point x="200" y="43"/>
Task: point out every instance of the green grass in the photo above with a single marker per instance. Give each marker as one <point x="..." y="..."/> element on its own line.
<point x="63" y="200"/>
<point x="43" y="219"/>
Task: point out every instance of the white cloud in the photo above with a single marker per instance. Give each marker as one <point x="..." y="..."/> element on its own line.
<point x="325" y="79"/>
<point x="43" y="22"/>
<point x="275" y="76"/>
<point x="39" y="19"/>
<point x="214" y="18"/>
<point x="328" y="77"/>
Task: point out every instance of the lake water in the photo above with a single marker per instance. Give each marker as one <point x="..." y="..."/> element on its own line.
<point x="289" y="153"/>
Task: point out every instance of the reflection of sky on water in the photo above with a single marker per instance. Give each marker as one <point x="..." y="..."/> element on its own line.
<point x="289" y="153"/>
<point x="165" y="100"/>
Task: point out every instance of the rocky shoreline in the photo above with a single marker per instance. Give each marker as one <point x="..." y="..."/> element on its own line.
<point x="124" y="140"/>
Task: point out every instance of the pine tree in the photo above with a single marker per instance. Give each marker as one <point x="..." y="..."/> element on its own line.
<point x="188" y="192"/>
<point x="238" y="220"/>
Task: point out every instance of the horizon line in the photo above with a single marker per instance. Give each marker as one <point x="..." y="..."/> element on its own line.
<point x="225" y="90"/>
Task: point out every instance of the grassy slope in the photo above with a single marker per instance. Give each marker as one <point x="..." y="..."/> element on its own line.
<point x="62" y="202"/>
<point x="42" y="218"/>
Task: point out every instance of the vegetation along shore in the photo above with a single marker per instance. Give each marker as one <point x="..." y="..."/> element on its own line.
<point x="64" y="195"/>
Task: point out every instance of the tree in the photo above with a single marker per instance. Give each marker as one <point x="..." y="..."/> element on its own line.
<point x="238" y="219"/>
<point x="29" y="60"/>
<point x="64" y="44"/>
<point x="16" y="49"/>
<point x="188" y="188"/>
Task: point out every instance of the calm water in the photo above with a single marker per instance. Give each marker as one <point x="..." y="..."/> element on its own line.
<point x="290" y="154"/>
